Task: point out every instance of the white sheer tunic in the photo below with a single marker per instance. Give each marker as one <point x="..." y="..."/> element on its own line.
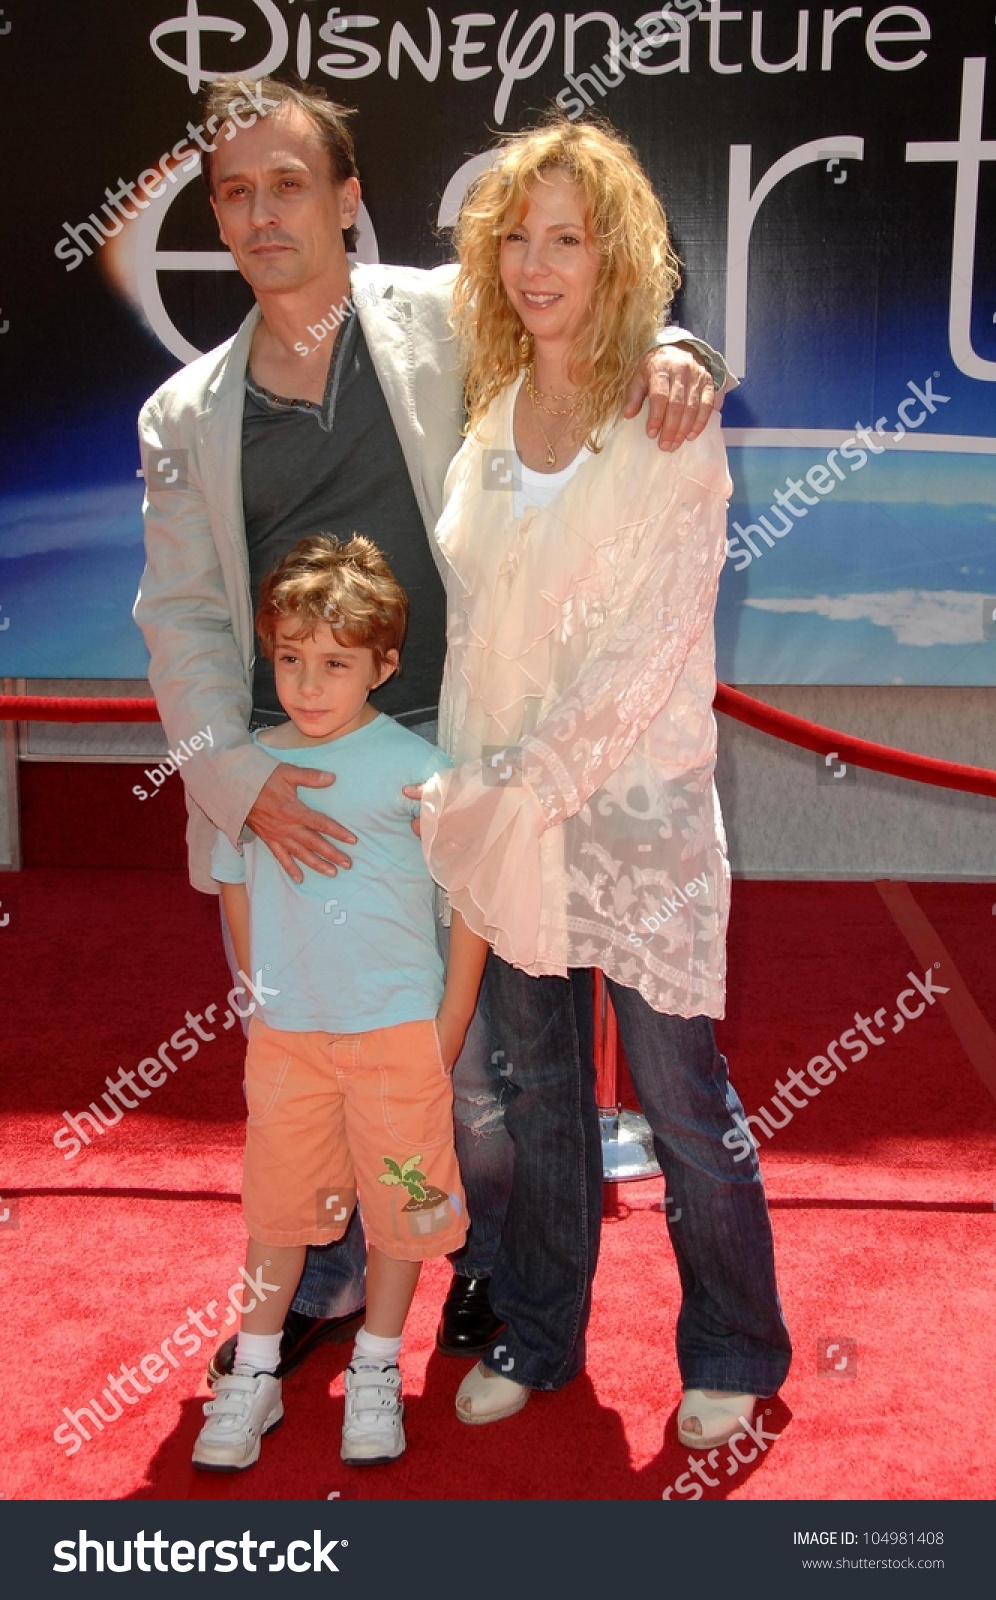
<point x="581" y="825"/>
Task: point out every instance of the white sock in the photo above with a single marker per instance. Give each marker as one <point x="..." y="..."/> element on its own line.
<point x="257" y="1352"/>
<point x="373" y="1348"/>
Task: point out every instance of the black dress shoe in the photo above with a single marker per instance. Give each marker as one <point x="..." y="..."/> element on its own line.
<point x="468" y="1326"/>
<point x="301" y="1335"/>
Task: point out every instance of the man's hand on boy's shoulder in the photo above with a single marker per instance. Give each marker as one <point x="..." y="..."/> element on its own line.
<point x="297" y="835"/>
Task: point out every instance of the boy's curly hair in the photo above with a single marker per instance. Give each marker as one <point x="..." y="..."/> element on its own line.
<point x="349" y="586"/>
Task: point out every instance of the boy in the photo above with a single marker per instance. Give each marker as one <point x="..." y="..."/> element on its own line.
<point x="347" y="1080"/>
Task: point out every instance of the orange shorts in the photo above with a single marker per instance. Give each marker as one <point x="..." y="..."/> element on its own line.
<point x="333" y="1115"/>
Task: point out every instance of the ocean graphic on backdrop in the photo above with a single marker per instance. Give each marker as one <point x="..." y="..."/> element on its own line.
<point x="883" y="582"/>
<point x="70" y="565"/>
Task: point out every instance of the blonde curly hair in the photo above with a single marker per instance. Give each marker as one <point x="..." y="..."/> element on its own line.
<point x="638" y="275"/>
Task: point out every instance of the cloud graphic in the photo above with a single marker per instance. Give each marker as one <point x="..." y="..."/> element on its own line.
<point x="916" y="616"/>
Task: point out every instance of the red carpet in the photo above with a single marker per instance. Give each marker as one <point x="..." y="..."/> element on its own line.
<point x="882" y="1202"/>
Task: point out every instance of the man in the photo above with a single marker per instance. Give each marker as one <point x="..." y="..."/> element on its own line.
<point x="336" y="407"/>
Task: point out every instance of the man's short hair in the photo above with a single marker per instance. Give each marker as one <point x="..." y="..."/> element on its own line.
<point x="329" y="120"/>
<point x="349" y="586"/>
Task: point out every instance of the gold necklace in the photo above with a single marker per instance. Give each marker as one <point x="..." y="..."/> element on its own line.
<point x="551" y="453"/>
<point x="534" y="395"/>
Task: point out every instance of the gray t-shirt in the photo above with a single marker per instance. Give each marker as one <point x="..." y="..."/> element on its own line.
<point x="338" y="467"/>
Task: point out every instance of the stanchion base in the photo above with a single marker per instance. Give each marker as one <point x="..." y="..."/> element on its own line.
<point x="627" y="1147"/>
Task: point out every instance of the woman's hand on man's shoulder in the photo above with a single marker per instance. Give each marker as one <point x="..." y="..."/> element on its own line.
<point x="682" y="395"/>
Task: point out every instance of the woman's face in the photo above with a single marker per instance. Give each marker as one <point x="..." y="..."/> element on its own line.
<point x="549" y="261"/>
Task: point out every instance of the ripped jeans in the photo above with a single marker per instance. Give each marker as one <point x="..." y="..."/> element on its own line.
<point x="731" y="1334"/>
<point x="484" y="1149"/>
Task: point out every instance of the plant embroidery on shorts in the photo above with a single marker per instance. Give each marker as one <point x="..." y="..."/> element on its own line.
<point x="428" y="1208"/>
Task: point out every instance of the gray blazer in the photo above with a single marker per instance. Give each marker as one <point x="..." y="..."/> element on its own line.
<point x="194" y="605"/>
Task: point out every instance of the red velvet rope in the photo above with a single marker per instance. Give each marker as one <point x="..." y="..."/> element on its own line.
<point x="768" y="719"/>
<point x="858" y="752"/>
<point x="68" y="708"/>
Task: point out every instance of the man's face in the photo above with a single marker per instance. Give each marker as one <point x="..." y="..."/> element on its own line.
<point x="279" y="210"/>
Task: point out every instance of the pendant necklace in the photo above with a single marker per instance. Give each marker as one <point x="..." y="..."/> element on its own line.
<point x="538" y="406"/>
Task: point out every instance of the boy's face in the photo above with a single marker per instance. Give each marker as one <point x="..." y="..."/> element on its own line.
<point x="323" y="685"/>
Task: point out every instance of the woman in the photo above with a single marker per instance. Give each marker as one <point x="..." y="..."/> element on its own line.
<point x="581" y="827"/>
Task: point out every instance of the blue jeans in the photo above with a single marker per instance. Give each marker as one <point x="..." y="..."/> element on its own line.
<point x="730" y="1333"/>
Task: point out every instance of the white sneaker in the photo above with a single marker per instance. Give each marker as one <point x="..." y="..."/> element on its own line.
<point x="242" y="1410"/>
<point x="372" y="1430"/>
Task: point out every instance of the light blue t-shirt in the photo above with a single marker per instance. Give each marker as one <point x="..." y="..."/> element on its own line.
<point x="357" y="951"/>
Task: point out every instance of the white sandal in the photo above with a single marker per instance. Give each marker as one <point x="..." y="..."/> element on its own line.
<point x="721" y="1417"/>
<point x="484" y="1396"/>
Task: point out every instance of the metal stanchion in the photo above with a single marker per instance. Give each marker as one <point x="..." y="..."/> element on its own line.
<point x="627" y="1143"/>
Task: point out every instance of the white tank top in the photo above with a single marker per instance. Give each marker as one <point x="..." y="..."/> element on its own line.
<point x="539" y="488"/>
